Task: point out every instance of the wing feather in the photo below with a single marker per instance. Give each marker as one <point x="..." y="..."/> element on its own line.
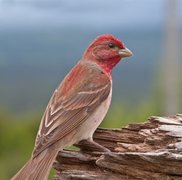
<point x="78" y="96"/>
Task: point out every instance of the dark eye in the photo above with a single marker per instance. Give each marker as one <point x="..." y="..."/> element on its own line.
<point x="111" y="45"/>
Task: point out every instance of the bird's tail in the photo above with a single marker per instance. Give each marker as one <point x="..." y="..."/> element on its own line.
<point x="37" y="168"/>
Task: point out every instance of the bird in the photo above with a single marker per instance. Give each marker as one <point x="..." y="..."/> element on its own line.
<point x="77" y="106"/>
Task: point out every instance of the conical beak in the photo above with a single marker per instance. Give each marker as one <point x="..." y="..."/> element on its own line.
<point x="125" y="52"/>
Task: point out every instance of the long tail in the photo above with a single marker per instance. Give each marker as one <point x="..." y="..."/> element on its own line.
<point x="37" y="168"/>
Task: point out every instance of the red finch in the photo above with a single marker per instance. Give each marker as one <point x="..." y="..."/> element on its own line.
<point x="77" y="106"/>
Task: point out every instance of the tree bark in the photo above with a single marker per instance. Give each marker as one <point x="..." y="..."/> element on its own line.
<point x="151" y="150"/>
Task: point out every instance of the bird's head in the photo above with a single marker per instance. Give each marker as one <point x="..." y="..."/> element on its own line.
<point x="106" y="51"/>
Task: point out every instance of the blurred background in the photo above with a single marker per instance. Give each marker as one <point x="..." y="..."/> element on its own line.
<point x="41" y="40"/>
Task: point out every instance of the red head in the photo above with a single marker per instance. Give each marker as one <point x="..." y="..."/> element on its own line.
<point x="106" y="51"/>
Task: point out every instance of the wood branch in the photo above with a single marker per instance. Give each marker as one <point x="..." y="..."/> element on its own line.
<point x="152" y="150"/>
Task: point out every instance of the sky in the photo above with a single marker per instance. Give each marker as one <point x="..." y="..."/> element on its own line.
<point x="126" y="13"/>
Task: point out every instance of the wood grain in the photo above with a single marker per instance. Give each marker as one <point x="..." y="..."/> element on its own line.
<point x="151" y="150"/>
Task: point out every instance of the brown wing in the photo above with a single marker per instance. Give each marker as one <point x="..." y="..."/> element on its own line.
<point x="80" y="93"/>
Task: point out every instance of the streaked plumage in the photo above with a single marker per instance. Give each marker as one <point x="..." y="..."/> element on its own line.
<point x="68" y="107"/>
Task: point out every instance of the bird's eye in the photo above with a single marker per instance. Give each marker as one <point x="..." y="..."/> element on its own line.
<point x="111" y="45"/>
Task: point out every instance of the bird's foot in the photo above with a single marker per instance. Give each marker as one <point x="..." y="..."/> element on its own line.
<point x="91" y="145"/>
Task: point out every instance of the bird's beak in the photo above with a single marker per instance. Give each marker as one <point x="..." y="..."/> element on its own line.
<point x="125" y="52"/>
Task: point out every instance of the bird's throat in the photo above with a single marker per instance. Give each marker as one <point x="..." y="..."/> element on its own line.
<point x="108" y="65"/>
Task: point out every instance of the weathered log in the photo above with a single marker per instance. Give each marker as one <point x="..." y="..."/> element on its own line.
<point x="151" y="150"/>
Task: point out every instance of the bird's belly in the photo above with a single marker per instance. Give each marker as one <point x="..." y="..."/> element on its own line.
<point x="87" y="129"/>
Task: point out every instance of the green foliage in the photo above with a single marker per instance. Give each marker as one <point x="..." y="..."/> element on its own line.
<point x="120" y="116"/>
<point x="16" y="141"/>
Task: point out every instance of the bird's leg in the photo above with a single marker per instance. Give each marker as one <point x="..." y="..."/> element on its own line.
<point x="90" y="145"/>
